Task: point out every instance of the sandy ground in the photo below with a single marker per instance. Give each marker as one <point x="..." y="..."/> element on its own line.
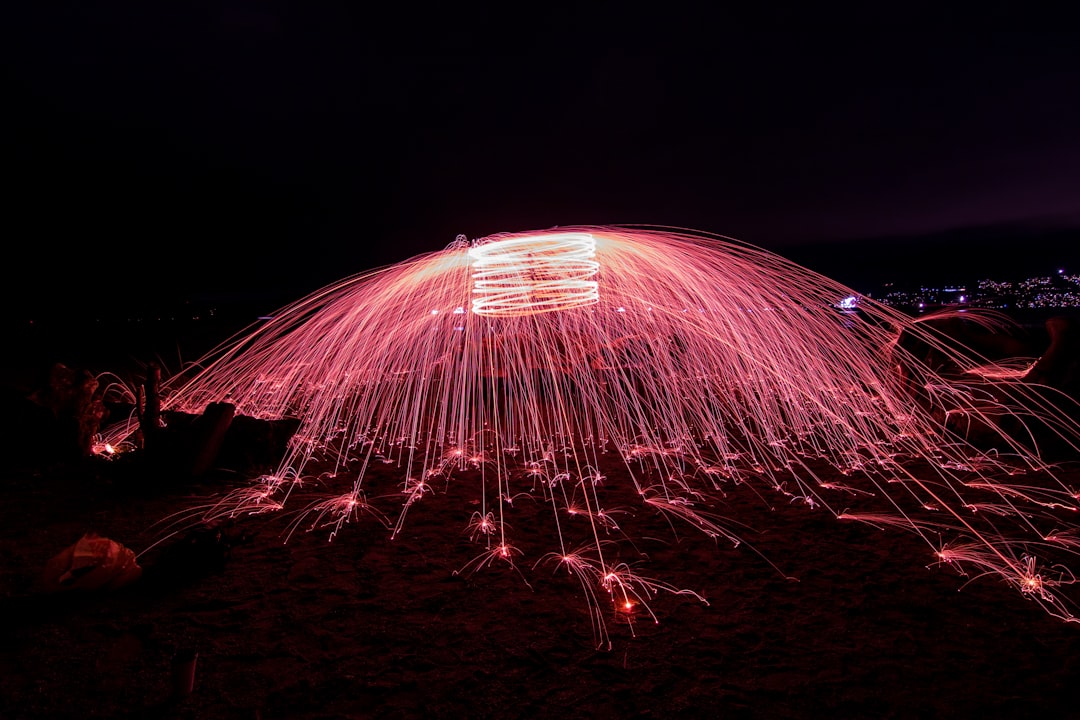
<point x="810" y="617"/>
<point x="368" y="627"/>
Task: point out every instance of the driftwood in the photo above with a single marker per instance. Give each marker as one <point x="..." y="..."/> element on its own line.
<point x="149" y="406"/>
<point x="1059" y="366"/>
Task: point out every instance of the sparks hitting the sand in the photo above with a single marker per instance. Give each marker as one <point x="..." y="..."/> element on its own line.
<point x="528" y="362"/>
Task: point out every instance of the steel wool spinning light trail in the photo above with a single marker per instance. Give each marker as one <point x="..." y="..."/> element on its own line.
<point x="534" y="274"/>
<point x="528" y="362"/>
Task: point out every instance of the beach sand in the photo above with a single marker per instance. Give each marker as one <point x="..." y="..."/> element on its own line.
<point x="810" y="617"/>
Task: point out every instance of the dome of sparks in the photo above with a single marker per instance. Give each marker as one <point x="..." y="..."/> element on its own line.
<point x="527" y="363"/>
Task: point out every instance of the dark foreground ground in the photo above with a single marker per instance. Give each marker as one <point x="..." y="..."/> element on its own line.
<point x="368" y="627"/>
<point x="365" y="627"/>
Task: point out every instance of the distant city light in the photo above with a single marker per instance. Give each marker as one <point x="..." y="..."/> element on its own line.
<point x="849" y="303"/>
<point x="1061" y="290"/>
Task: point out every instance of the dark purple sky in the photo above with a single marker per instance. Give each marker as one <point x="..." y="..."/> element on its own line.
<point x="255" y="148"/>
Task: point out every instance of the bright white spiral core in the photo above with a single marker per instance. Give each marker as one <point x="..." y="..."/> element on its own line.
<point x="534" y="274"/>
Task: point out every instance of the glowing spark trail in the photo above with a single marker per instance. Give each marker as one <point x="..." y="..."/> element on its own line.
<point x="533" y="274"/>
<point x="524" y="362"/>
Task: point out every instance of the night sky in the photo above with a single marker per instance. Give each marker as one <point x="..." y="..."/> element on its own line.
<point x="261" y="151"/>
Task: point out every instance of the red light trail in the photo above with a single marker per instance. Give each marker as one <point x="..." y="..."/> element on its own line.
<point x="526" y="363"/>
